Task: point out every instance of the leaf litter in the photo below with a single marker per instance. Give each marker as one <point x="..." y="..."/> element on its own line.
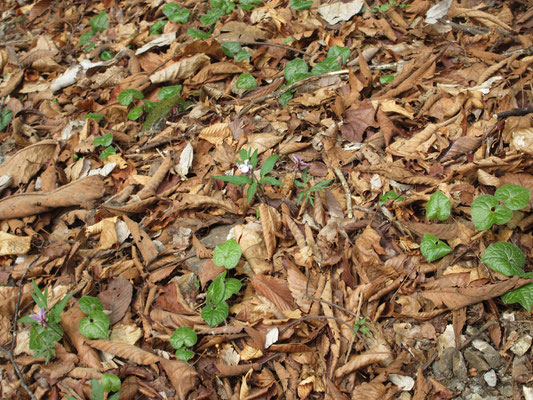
<point x="337" y="299"/>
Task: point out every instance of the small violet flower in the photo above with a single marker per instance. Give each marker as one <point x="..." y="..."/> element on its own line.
<point x="298" y="163"/>
<point x="245" y="167"/>
<point x="40" y="317"/>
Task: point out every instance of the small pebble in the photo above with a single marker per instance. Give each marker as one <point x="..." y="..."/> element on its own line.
<point x="491" y="378"/>
<point x="522" y="345"/>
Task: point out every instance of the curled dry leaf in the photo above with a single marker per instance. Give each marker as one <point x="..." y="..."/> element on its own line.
<point x="275" y="290"/>
<point x="181" y="70"/>
<point x="376" y="354"/>
<point x="117" y="298"/>
<point x="25" y="163"/>
<point x="253" y="247"/>
<point x="129" y="352"/>
<point x="270" y="223"/>
<point x="182" y="376"/>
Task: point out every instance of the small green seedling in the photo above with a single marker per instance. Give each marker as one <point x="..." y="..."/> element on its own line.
<point x="109" y="383"/>
<point x="487" y="210"/>
<point x="157" y="27"/>
<point x="301" y="4"/>
<point x="235" y="50"/>
<point x="386" y="79"/>
<point x="45" y="325"/>
<point x="5" y="119"/>
<point x="307" y="195"/>
<point x="216" y="309"/>
<point x="182" y="338"/>
<point x="95" y="116"/>
<point x="126" y="98"/>
<point x="360" y="326"/>
<point x="96" y="324"/>
<point x="432" y="248"/>
<point x="248" y="5"/>
<point x="105" y="141"/>
<point x="98" y="24"/>
<point x="387" y="6"/>
<point x="439" y="206"/>
<point x="227" y="254"/>
<point x="246" y="81"/>
<point x="175" y="13"/>
<point x="390" y="195"/>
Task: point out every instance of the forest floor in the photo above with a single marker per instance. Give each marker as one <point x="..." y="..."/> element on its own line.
<point x="266" y="200"/>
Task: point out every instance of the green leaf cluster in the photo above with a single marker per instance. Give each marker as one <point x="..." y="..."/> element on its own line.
<point x="99" y="23"/>
<point x="390" y="195"/>
<point x="43" y="338"/>
<point x="105" y="141"/>
<point x="216" y="309"/>
<point x="109" y="383"/>
<point x="507" y="259"/>
<point x="227" y="254"/>
<point x="96" y="324"/>
<point x="182" y="338"/>
<point x="498" y="209"/>
<point x="176" y="13"/>
<point x="386" y="79"/>
<point x="387" y="6"/>
<point x="235" y="50"/>
<point x="360" y="326"/>
<point x="307" y="195"/>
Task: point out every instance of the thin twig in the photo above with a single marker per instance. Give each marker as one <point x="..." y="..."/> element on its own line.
<point x="9" y="351"/>
<point x="282" y="46"/>
<point x="346" y="192"/>
<point x="517" y="112"/>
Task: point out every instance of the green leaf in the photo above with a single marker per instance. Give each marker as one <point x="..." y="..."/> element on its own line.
<point x="227" y="254"/>
<point x="126" y="96"/>
<point x="99" y="23"/>
<point x="321" y="185"/>
<point x="38" y="295"/>
<point x="439" y="206"/>
<point x="110" y="383"/>
<point x="301" y="4"/>
<point x="254" y="158"/>
<point x="251" y="192"/>
<point x="108" y="151"/>
<point x="97" y="389"/>
<point x="339" y="51"/>
<point x="295" y="70"/>
<point x="89" y="304"/>
<point x="385" y="79"/>
<point x="89" y="47"/>
<point x="390" y="195"/>
<point x="135" y="113"/>
<point x="183" y="336"/>
<point x="432" y="248"/>
<point x="326" y="65"/>
<point x="169" y="91"/>
<point x="149" y="105"/>
<point x="57" y="310"/>
<point x="234" y="179"/>
<point x="270" y="180"/>
<point x="242" y="55"/>
<point x="160" y="111"/>
<point x="268" y="165"/>
<point x="486" y="211"/>
<point x="95" y="116"/>
<point x="95" y="326"/>
<point x="248" y="5"/>
<point x="230" y="48"/>
<point x="184" y="354"/>
<point x="106" y="55"/>
<point x="513" y="197"/>
<point x="104" y="140"/>
<point x="197" y="34"/>
<point x="232" y="286"/>
<point x="215" y="313"/>
<point x="157" y="27"/>
<point x="5" y="118"/>
<point x="215" y="291"/>
<point x="289" y="40"/>
<point x="523" y="295"/>
<point x="505" y="258"/>
<point x="86" y="37"/>
<point x="285" y="98"/>
<point x="212" y="16"/>
<point x="246" y="81"/>
<point x="226" y="6"/>
<point x="175" y="13"/>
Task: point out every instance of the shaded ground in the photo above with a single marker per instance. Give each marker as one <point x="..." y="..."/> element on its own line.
<point x="404" y="103"/>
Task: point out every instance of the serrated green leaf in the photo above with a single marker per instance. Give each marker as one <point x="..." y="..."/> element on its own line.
<point x="215" y="291"/>
<point x="439" y="206"/>
<point x="183" y="336"/>
<point x="268" y="165"/>
<point x="251" y="192"/>
<point x="95" y="326"/>
<point x="326" y="65"/>
<point x="486" y="211"/>
<point x="169" y="91"/>
<point x="301" y="4"/>
<point x="157" y="27"/>
<point x="231" y="48"/>
<point x="432" y="248"/>
<point x="523" y="296"/>
<point x="135" y="113"/>
<point x="126" y="96"/>
<point x="245" y="81"/>
<point x="386" y="79"/>
<point x="232" y="286"/>
<point x="110" y="383"/>
<point x="513" y="197"/>
<point x="295" y="70"/>
<point x="104" y="140"/>
<point x="99" y="23"/>
<point x="227" y="254"/>
<point x="235" y="179"/>
<point x="184" y="354"/>
<point x="505" y="258"/>
<point x="339" y="51"/>
<point x="215" y="313"/>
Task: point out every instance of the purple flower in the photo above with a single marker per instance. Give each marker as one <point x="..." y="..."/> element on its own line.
<point x="298" y="163"/>
<point x="40" y="317"/>
<point x="245" y="167"/>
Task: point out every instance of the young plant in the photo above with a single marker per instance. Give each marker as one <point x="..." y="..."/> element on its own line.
<point x="386" y="79"/>
<point x="45" y="330"/>
<point x="175" y="13"/>
<point x="126" y="98"/>
<point x="387" y="6"/>
<point x="360" y="326"/>
<point x="307" y="195"/>
<point x="488" y="210"/>
<point x="216" y="309"/>
<point x="182" y="338"/>
<point x="235" y="50"/>
<point x="159" y="110"/>
<point x="96" y="324"/>
<point x="247" y="167"/>
<point x="5" y="118"/>
<point x="105" y="141"/>
<point x="507" y="259"/>
<point x="109" y="383"/>
<point x="98" y="24"/>
<point x="301" y="4"/>
<point x="432" y="248"/>
<point x="439" y="206"/>
<point x="390" y="195"/>
<point x="227" y="254"/>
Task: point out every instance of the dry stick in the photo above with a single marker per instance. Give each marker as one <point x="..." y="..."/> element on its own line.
<point x="470" y="340"/>
<point x="517" y="112"/>
<point x="346" y="192"/>
<point x="475" y="30"/>
<point x="14" y="339"/>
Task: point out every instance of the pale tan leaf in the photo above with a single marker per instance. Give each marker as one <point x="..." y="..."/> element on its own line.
<point x="376" y="354"/>
<point x="130" y="208"/>
<point x="369" y="391"/>
<point x="216" y="133"/>
<point x="25" y="163"/>
<point x="291" y="147"/>
<point x="180" y="70"/>
<point x="13" y="244"/>
<point x="298" y="285"/>
<point x="262" y="142"/>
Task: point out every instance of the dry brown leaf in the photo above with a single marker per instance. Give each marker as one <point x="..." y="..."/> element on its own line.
<point x="270" y="223"/>
<point x="253" y="249"/>
<point x="216" y="134"/>
<point x="275" y="290"/>
<point x="151" y="187"/>
<point x="142" y="240"/>
<point x="13" y="244"/>
<point x="130" y="208"/>
<point x="25" y="163"/>
<point x="442" y="231"/>
<point x="376" y="354"/>
<point x="117" y="298"/>
<point x="180" y="70"/>
<point x="129" y="352"/>
<point x="182" y="375"/>
<point x="369" y="391"/>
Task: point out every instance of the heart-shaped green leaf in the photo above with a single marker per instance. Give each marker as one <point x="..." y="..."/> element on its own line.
<point x="505" y="258"/>
<point x="438" y="206"/>
<point x="95" y="326"/>
<point x="514" y="197"/>
<point x="432" y="248"/>
<point x="183" y="336"/>
<point x="227" y="254"/>
<point x="486" y="211"/>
